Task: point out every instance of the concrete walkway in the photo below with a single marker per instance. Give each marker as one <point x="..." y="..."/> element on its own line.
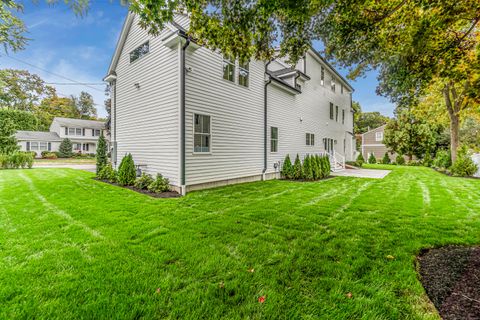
<point x="362" y="173"/>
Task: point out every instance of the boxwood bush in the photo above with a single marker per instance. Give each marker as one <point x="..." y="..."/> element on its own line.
<point x="159" y="185"/>
<point x="143" y="181"/>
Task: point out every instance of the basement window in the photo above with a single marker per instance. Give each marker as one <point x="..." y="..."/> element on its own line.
<point x="139" y="52"/>
<point x="202" y="134"/>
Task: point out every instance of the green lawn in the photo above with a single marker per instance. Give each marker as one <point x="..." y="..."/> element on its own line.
<point x="66" y="161"/>
<point x="72" y="247"/>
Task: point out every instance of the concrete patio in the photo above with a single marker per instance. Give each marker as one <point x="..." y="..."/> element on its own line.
<point x="362" y="173"/>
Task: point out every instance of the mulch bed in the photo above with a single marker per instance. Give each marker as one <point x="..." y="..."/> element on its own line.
<point x="451" y="277"/>
<point x="167" y="194"/>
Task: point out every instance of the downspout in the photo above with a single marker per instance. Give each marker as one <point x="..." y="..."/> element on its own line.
<point x="114" y="106"/>
<point x="182" y="115"/>
<point x="265" y="123"/>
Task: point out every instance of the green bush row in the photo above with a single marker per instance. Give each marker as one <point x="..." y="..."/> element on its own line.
<point x="16" y="160"/>
<point x="314" y="167"/>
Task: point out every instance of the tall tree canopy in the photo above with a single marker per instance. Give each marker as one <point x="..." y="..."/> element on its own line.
<point x="85" y="105"/>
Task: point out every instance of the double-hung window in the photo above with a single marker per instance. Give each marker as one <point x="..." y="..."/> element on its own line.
<point x="336" y="113"/>
<point x="273" y="139"/>
<point x="332" y="84"/>
<point x="322" y="76"/>
<point x="139" y="51"/>
<point x="229" y="69"/>
<point x="96" y="132"/>
<point x="331" y="111"/>
<point x="71" y="131"/>
<point x="310" y="139"/>
<point x="33" y="145"/>
<point x="78" y="131"/>
<point x="378" y="136"/>
<point x="243" y="74"/>
<point x="202" y="133"/>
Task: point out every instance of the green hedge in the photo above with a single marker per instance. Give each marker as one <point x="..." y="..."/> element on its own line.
<point x="16" y="160"/>
<point x="314" y="167"/>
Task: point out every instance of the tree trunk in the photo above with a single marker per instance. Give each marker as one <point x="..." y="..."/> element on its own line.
<point x="454" y="135"/>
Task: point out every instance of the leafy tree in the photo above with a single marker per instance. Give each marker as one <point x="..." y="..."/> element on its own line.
<point x="297" y="169"/>
<point x="442" y="159"/>
<point x="287" y="168"/>
<point x="55" y="106"/>
<point x="85" y="105"/>
<point x="409" y="135"/>
<point x="400" y="160"/>
<point x="126" y="171"/>
<point x="101" y="154"/>
<point x="369" y="120"/>
<point x="65" y="149"/>
<point x="22" y="120"/>
<point x="8" y="142"/>
<point x="21" y="90"/>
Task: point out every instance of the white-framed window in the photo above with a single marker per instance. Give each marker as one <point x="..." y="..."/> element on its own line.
<point x="77" y="146"/>
<point x="96" y="132"/>
<point x="332" y="84"/>
<point x="378" y="136"/>
<point x="310" y="139"/>
<point x="71" y="131"/>
<point x="229" y="69"/>
<point x="343" y="116"/>
<point x="331" y="111"/>
<point x="202" y="133"/>
<point x="34" y="145"/>
<point x="78" y="131"/>
<point x="243" y="74"/>
<point x="273" y="139"/>
<point x="322" y="76"/>
<point x="43" y="146"/>
<point x="139" y="51"/>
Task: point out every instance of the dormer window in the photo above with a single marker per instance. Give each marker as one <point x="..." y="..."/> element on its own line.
<point x="139" y="52"/>
<point x="243" y="74"/>
<point x="229" y="69"/>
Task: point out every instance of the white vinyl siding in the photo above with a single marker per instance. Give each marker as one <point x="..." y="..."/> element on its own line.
<point x="379" y="136"/>
<point x="148" y="118"/>
<point x="139" y="52"/>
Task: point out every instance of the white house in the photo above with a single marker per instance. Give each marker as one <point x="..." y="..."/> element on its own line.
<point x="84" y="135"/>
<point x="205" y="120"/>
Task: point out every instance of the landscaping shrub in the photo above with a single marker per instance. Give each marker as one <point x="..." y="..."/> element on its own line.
<point x="49" y="155"/>
<point x="126" y="171"/>
<point x="16" y="160"/>
<point x="307" y="168"/>
<point x="160" y="184"/>
<point x="108" y="173"/>
<point x="101" y="153"/>
<point x="464" y="165"/>
<point x="400" y="160"/>
<point x="65" y="149"/>
<point x="324" y="167"/>
<point x="297" y="169"/>
<point x="442" y="159"/>
<point x="372" y="159"/>
<point x="427" y="160"/>
<point x="287" y="169"/>
<point x="360" y="160"/>
<point x="143" y="181"/>
<point x="317" y="173"/>
<point x="386" y="159"/>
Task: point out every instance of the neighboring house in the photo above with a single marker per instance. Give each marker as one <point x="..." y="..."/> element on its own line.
<point x="84" y="135"/>
<point x="372" y="143"/>
<point x="203" y="120"/>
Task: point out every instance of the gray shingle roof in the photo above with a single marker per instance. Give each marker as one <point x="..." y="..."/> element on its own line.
<point x="37" y="136"/>
<point x="80" y="123"/>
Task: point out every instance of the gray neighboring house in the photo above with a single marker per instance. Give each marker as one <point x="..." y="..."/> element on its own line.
<point x="372" y="143"/>
<point x="84" y="135"/>
<point x="203" y="119"/>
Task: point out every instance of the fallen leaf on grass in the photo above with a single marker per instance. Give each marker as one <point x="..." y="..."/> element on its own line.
<point x="349" y="295"/>
<point x="251" y="270"/>
<point x="261" y="299"/>
<point x="221" y="285"/>
<point x="390" y="257"/>
<point x="158" y="290"/>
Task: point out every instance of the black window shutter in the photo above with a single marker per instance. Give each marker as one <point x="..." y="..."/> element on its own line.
<point x="93" y="132"/>
<point x="28" y="145"/>
<point x="83" y="132"/>
<point x="49" y="146"/>
<point x="66" y="131"/>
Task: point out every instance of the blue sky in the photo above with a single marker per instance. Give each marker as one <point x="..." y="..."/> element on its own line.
<point x="80" y="48"/>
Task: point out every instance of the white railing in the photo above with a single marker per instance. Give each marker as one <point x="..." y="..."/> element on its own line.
<point x="337" y="161"/>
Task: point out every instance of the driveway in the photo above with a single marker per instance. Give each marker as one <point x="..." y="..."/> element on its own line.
<point x="362" y="173"/>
